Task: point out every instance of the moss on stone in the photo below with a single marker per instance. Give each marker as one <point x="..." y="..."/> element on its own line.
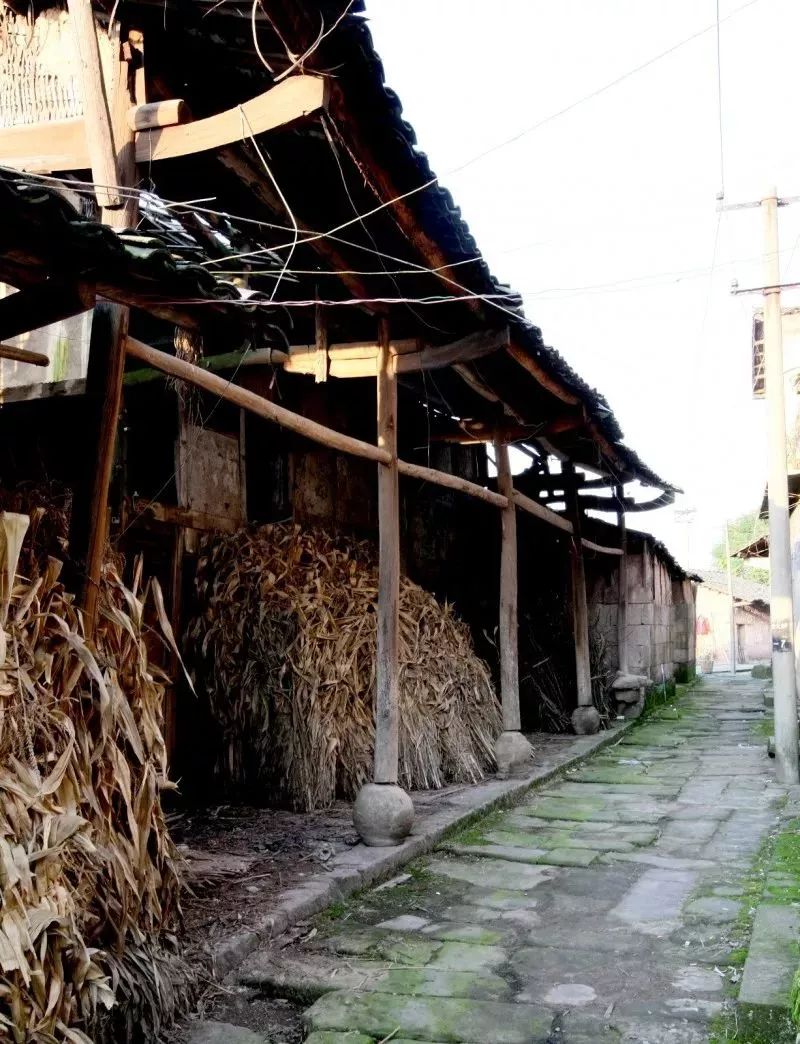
<point x="752" y="1024"/>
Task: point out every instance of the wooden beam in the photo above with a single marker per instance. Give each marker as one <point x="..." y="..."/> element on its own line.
<point x="474" y="346"/>
<point x="610" y="503"/>
<point x="599" y="548"/>
<point x="485" y="391"/>
<point x="291" y="100"/>
<point x="252" y="176"/>
<point x="9" y="351"/>
<point x="41" y="305"/>
<point x="62" y="144"/>
<point x="542" y="512"/>
<point x="387" y="668"/>
<point x="215" y="363"/>
<point x="443" y="478"/>
<point x="152" y="115"/>
<point x="255" y="403"/>
<point x="508" y="627"/>
<point x="538" y="372"/>
<point x="187" y="517"/>
<point x="96" y="124"/>
<point x="408" y="355"/>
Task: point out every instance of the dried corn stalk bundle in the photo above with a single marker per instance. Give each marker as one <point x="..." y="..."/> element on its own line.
<point x="285" y="647"/>
<point x="89" y="883"/>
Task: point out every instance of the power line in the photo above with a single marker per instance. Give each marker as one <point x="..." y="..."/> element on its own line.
<point x="601" y="90"/>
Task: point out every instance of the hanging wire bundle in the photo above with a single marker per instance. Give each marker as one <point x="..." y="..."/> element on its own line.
<point x="285" y="647"/>
<point x="89" y="878"/>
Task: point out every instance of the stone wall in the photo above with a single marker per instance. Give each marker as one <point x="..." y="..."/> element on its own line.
<point x="660" y="631"/>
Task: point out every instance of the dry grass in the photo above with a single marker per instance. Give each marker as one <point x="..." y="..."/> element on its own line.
<point x="286" y="648"/>
<point x="89" y="879"/>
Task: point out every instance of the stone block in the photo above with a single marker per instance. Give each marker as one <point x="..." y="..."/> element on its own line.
<point x="443" y="1019"/>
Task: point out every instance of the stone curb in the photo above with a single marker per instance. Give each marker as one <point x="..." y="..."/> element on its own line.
<point x="362" y="866"/>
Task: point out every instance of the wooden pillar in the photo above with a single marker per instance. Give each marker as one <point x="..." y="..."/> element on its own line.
<point x="383" y="813"/>
<point x="585" y="718"/>
<point x="111" y="149"/>
<point x="508" y="622"/>
<point x="622" y="601"/>
<point x="388" y="667"/>
<point x="512" y="751"/>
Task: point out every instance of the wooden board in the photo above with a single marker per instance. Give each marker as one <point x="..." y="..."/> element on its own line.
<point x="210" y="474"/>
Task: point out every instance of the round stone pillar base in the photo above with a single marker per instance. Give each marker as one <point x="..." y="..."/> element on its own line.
<point x="513" y="753"/>
<point x="383" y="814"/>
<point x="586" y="721"/>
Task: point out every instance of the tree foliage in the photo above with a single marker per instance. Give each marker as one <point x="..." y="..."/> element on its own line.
<point x="740" y="532"/>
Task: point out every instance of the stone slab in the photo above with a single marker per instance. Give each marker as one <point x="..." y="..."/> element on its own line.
<point x="434" y="1019"/>
<point x="654" y="903"/>
<point x="493" y="872"/>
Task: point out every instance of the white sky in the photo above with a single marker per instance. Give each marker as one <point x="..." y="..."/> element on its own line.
<point x="622" y="190"/>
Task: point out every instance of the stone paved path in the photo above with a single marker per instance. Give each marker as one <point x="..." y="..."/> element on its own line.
<point x="605" y="908"/>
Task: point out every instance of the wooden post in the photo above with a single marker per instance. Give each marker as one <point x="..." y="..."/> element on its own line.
<point x="512" y="751"/>
<point x="387" y="680"/>
<point x="585" y="718"/>
<point x="508" y="624"/>
<point x="383" y="813"/>
<point x="622" y="601"/>
<point x="107" y="100"/>
<point x="95" y="105"/>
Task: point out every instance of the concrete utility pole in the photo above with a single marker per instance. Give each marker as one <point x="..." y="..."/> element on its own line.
<point x="732" y="607"/>
<point x="782" y="627"/>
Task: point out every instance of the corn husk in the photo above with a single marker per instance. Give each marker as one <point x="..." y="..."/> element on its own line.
<point x="89" y="878"/>
<point x="285" y="648"/>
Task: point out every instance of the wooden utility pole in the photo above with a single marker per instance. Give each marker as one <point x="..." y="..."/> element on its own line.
<point x="731" y="603"/>
<point x="622" y="596"/>
<point x="585" y="718"/>
<point x="781" y="616"/>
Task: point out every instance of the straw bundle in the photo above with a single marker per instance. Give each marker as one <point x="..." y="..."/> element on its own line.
<point x="89" y="880"/>
<point x="286" y="645"/>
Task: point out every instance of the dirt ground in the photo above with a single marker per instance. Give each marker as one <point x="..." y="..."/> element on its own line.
<point x="239" y="858"/>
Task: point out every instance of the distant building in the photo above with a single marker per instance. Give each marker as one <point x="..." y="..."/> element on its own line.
<point x="751" y="609"/>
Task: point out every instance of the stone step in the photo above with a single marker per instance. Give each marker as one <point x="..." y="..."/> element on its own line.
<point x="209" y="1032"/>
<point x="444" y="1020"/>
<point x="310" y="977"/>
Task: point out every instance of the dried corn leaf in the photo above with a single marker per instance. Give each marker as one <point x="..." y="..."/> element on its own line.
<point x="285" y="648"/>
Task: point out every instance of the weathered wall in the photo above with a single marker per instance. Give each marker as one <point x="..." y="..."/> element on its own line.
<point x="660" y="616"/>
<point x="714" y="631"/>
